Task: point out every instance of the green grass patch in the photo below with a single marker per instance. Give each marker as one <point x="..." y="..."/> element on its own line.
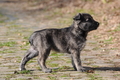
<point x="52" y="78"/>
<point x="36" y="77"/>
<point x="31" y="61"/>
<point x="95" y="66"/>
<point x="8" y="44"/>
<point x="1" y="21"/>
<point x="26" y="37"/>
<point x="115" y="30"/>
<point x="116" y="75"/>
<point x="53" y="53"/>
<point x="2" y="18"/>
<point x="96" y="48"/>
<point x="13" y="26"/>
<point x="7" y="77"/>
<point x="7" y="51"/>
<point x="68" y="61"/>
<point x="1" y="15"/>
<point x="23" y="79"/>
<point x="23" y="72"/>
<point x="53" y="65"/>
<point x="110" y="39"/>
<point x="94" y="76"/>
<point x="63" y="68"/>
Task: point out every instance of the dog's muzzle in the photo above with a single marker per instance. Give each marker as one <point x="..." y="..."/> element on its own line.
<point x="96" y="24"/>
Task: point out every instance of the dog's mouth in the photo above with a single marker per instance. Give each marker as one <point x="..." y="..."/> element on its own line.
<point x="96" y="25"/>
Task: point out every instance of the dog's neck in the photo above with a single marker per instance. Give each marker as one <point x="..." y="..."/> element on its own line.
<point x="79" y="32"/>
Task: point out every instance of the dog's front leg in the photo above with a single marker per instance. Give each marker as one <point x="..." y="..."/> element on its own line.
<point x="76" y="61"/>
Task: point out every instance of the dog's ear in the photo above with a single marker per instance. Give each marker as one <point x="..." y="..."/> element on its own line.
<point x="77" y="17"/>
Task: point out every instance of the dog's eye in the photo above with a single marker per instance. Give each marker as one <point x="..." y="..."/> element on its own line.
<point x="87" y="19"/>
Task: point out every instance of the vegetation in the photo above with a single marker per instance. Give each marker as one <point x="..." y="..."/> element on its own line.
<point x="33" y="15"/>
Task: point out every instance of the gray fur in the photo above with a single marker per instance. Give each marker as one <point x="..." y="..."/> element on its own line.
<point x="67" y="40"/>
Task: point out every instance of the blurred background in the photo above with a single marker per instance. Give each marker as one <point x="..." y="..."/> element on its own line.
<point x="39" y="14"/>
<point x="19" y="18"/>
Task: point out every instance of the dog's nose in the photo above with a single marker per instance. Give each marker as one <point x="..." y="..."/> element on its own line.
<point x="97" y="23"/>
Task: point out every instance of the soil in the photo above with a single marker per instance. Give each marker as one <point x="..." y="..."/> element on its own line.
<point x="19" y="18"/>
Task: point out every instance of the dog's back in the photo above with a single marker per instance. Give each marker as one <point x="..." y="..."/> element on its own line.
<point x="57" y="39"/>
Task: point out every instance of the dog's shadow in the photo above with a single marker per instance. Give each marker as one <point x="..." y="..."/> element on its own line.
<point x="90" y="69"/>
<point x="104" y="68"/>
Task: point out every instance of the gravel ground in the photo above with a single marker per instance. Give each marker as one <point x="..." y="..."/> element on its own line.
<point x="18" y="21"/>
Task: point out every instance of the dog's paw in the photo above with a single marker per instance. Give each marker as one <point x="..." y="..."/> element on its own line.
<point x="47" y="70"/>
<point x="82" y="70"/>
<point x="22" y="69"/>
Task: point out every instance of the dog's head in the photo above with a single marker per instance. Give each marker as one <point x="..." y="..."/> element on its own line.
<point x="85" y="22"/>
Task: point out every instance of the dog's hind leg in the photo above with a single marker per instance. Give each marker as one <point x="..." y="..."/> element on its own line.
<point x="43" y="55"/>
<point x="32" y="52"/>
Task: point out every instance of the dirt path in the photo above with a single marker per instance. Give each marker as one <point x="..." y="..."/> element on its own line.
<point x="16" y="25"/>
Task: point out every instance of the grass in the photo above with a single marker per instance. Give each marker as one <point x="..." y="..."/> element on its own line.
<point x="65" y="22"/>
<point x="2" y="18"/>
<point x="109" y="40"/>
<point x="52" y="14"/>
<point x="52" y="78"/>
<point x="7" y="51"/>
<point x="62" y="69"/>
<point x="7" y="77"/>
<point x="83" y="10"/>
<point x="26" y="37"/>
<point x="96" y="48"/>
<point x="53" y="53"/>
<point x="65" y="75"/>
<point x="1" y="21"/>
<point x="53" y="59"/>
<point x="8" y="44"/>
<point x="13" y="26"/>
<point x="23" y="72"/>
<point x="1" y="15"/>
<point x="93" y="76"/>
<point x="95" y="66"/>
<point x="36" y="77"/>
<point x="115" y="30"/>
<point x="116" y="75"/>
<point x="31" y="61"/>
<point x="104" y="1"/>
<point x="23" y="79"/>
<point x="53" y="65"/>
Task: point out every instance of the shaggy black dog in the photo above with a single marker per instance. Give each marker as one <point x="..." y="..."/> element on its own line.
<point x="68" y="40"/>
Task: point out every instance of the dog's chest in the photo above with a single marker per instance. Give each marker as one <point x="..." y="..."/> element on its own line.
<point x="81" y="45"/>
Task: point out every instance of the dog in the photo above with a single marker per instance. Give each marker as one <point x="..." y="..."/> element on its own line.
<point x="67" y="40"/>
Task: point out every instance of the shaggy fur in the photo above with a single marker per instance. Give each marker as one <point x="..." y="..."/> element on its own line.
<point x="68" y="40"/>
